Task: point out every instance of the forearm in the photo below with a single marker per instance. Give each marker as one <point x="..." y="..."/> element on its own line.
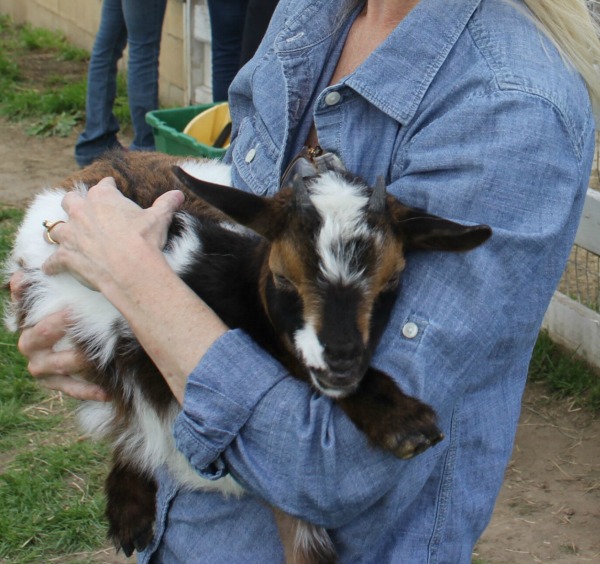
<point x="244" y="414"/>
<point x="172" y="323"/>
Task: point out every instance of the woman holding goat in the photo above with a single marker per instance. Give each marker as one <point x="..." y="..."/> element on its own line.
<point x="476" y="110"/>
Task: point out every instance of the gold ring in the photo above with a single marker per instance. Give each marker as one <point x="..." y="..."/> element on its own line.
<point x="50" y="225"/>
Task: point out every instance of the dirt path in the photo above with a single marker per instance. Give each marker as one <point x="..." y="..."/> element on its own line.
<point x="30" y="163"/>
<point x="549" y="508"/>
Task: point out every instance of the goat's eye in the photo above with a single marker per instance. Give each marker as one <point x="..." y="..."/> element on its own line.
<point x="392" y="282"/>
<point x="283" y="283"/>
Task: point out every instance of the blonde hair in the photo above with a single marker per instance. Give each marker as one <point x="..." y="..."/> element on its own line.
<point x="574" y="28"/>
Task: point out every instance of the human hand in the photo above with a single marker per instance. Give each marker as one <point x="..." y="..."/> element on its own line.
<point x="53" y="369"/>
<point x="105" y="230"/>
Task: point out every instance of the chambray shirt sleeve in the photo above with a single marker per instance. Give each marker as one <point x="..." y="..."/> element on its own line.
<point x="508" y="159"/>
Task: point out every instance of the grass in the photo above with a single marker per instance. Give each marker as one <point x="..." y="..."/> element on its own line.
<point x="565" y="374"/>
<point x="51" y="502"/>
<point x="43" y="80"/>
<point x="42" y="39"/>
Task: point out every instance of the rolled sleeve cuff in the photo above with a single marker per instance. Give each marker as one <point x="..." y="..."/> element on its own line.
<point x="220" y="395"/>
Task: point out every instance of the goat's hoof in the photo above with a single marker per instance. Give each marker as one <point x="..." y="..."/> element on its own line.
<point x="130" y="508"/>
<point x="135" y="539"/>
<point x="408" y="446"/>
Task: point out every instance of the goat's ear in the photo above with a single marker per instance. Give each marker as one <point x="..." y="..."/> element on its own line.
<point x="242" y="207"/>
<point x="422" y="231"/>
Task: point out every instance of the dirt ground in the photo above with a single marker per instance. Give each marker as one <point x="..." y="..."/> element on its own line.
<point x="549" y="507"/>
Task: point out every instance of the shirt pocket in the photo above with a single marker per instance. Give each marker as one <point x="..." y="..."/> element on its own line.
<point x="254" y="158"/>
<point x="405" y="351"/>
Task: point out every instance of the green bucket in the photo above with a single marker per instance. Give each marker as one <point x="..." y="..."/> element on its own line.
<point x="167" y="127"/>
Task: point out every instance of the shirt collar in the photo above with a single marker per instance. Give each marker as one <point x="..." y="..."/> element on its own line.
<point x="414" y="51"/>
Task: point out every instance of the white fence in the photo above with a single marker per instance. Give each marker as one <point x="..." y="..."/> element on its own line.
<point x="569" y="322"/>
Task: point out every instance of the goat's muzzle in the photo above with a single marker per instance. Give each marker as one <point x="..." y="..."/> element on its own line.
<point x="345" y="368"/>
<point x="335" y="384"/>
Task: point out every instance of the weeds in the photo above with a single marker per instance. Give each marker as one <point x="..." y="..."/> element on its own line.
<point x="565" y="373"/>
<point x="25" y="103"/>
<point x="43" y="80"/>
<point x="9" y="71"/>
<point x="38" y="39"/>
<point x="59" y="125"/>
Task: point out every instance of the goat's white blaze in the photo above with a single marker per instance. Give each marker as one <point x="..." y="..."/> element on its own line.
<point x="310" y="348"/>
<point x="342" y="208"/>
<point x="308" y="345"/>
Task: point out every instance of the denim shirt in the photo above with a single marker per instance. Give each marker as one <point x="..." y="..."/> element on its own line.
<point x="471" y="113"/>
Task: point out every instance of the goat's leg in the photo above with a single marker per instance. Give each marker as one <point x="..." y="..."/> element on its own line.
<point x="303" y="543"/>
<point x="391" y="420"/>
<point x="131" y="508"/>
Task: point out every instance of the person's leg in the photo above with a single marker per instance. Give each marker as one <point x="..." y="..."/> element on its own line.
<point x="258" y="16"/>
<point x="144" y="20"/>
<point x="227" y="24"/>
<point x="101" y="126"/>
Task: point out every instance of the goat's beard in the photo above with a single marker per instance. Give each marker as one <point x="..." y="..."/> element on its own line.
<point x="338" y="391"/>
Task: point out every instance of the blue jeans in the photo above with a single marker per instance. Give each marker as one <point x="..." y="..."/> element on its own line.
<point x="227" y="19"/>
<point x="237" y="28"/>
<point x="139" y="23"/>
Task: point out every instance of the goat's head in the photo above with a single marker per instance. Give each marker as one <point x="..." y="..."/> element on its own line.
<point x="337" y="250"/>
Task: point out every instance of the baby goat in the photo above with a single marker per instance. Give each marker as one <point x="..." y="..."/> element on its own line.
<point x="310" y="274"/>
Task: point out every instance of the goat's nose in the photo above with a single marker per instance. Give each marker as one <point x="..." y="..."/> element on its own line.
<point x="342" y="357"/>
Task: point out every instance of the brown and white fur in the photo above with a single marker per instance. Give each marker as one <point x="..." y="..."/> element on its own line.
<point x="311" y="274"/>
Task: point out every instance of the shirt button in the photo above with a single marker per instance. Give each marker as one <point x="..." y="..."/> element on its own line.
<point x="410" y="330"/>
<point x="333" y="98"/>
<point x="250" y="155"/>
